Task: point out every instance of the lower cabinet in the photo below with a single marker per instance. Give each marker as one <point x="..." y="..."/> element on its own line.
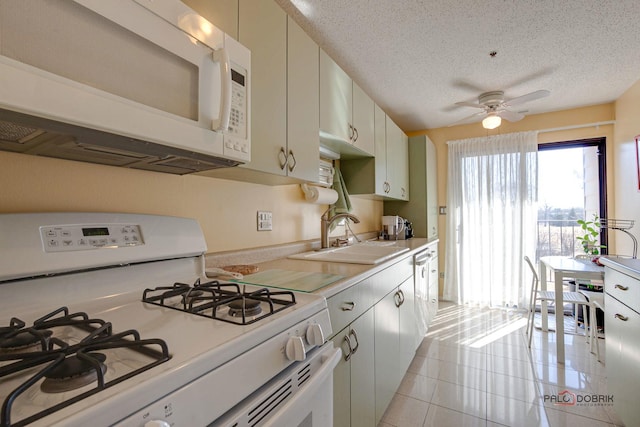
<point x="353" y="382"/>
<point x="378" y="335"/>
<point x="396" y="341"/>
<point x="622" y="322"/>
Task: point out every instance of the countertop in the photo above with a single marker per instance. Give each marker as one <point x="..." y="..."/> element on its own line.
<point x="351" y="273"/>
<point x="628" y="266"/>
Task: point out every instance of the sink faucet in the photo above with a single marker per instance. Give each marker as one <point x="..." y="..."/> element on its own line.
<point x="326" y="222"/>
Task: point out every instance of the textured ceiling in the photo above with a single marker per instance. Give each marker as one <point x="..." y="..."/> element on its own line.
<point x="416" y="58"/>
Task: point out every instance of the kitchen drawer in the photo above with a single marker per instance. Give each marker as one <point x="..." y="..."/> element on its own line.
<point x="348" y="305"/>
<point x="624" y="288"/>
<point x="433" y="248"/>
<point x="391" y="277"/>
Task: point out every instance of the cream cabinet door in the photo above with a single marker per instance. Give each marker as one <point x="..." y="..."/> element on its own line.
<point x="380" y="151"/>
<point x="363" y="403"/>
<point x="342" y="382"/>
<point x="623" y="351"/>
<point x="387" y="350"/>
<point x="363" y="121"/>
<point x="263" y="29"/>
<point x="432" y="190"/>
<point x="409" y="335"/>
<point x="303" y="104"/>
<point x="335" y="100"/>
<point x="397" y="162"/>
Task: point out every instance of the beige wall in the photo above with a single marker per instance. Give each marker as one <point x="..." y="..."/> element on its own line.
<point x="566" y="118"/>
<point x="627" y="196"/>
<point x="225" y="209"/>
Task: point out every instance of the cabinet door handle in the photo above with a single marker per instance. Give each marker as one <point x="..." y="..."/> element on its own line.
<point x="403" y="191"/>
<point x="402" y="296"/>
<point x="282" y="157"/>
<point x="348" y="306"/>
<point x="355" y="337"/>
<point x="355" y="134"/>
<point x="351" y="128"/>
<point x="397" y="298"/>
<point x="347" y="356"/>
<point x="622" y="288"/>
<point x="293" y="157"/>
<point x="621" y="317"/>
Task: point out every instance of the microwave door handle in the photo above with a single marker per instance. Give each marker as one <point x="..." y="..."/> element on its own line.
<point x="222" y="57"/>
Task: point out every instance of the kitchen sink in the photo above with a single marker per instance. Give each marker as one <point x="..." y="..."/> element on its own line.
<point x="370" y="252"/>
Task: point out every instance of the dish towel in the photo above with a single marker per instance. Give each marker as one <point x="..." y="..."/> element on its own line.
<point x="343" y="204"/>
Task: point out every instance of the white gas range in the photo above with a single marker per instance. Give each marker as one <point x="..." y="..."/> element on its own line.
<point x="109" y="319"/>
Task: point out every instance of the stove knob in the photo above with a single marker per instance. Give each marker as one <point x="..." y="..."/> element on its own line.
<point x="295" y="349"/>
<point x="315" y="336"/>
<point x="157" y="423"/>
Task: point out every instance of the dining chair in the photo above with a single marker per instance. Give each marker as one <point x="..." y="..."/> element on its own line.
<point x="550" y="297"/>
<point x="596" y="300"/>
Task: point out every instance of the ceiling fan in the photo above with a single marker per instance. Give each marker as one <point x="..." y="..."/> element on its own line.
<point x="495" y="108"/>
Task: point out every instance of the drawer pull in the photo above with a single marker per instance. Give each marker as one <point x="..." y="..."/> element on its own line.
<point x="621" y="317"/>
<point x="348" y="306"/>
<point x="622" y="288"/>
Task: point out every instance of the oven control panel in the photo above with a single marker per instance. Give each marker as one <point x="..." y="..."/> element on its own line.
<point x="64" y="238"/>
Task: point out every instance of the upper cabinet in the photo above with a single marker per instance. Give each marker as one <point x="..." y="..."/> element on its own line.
<point x="386" y="175"/>
<point x="303" y="104"/>
<point x="363" y="120"/>
<point x="285" y="98"/>
<point x="397" y="162"/>
<point x="422" y="209"/>
<point x="346" y="112"/>
<point x="221" y="13"/>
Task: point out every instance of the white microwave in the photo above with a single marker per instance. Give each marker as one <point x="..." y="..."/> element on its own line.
<point x="147" y="84"/>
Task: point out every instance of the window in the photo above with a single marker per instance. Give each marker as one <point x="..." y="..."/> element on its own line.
<point x="572" y="186"/>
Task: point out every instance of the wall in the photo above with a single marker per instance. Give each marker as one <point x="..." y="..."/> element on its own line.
<point x="566" y="118"/>
<point x="627" y="200"/>
<point x="225" y="209"/>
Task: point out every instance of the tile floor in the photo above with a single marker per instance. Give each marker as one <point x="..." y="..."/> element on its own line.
<point x="474" y="369"/>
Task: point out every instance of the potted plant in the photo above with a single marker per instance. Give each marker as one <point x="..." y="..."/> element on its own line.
<point x="590" y="239"/>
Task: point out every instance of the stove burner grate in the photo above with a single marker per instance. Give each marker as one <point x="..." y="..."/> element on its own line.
<point x="74" y="372"/>
<point x="82" y="362"/>
<point x="221" y="301"/>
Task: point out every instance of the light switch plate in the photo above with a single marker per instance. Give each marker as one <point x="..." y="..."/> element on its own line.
<point x="265" y="221"/>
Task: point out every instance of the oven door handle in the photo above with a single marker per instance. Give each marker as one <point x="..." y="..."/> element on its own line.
<point x="330" y="359"/>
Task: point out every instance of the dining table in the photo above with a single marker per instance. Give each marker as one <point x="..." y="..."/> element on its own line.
<point x="562" y="268"/>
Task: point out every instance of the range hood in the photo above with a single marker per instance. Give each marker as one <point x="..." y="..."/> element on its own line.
<point x="25" y="134"/>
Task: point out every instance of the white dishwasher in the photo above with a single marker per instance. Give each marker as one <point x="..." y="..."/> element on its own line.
<point x="425" y="276"/>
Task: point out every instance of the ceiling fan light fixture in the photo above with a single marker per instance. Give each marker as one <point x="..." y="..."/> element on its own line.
<point x="492" y="121"/>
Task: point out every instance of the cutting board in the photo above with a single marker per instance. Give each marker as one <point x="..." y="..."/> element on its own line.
<point x="291" y="280"/>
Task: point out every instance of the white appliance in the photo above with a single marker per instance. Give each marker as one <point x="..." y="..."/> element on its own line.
<point x="160" y="344"/>
<point x="393" y="227"/>
<point x="145" y="84"/>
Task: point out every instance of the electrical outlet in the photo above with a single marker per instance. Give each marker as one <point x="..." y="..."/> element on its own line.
<point x="265" y="221"/>
<point x="442" y="274"/>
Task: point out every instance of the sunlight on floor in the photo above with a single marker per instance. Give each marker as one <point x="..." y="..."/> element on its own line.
<point x="474" y="369"/>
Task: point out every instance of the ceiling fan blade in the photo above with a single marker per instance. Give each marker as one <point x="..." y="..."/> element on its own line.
<point x="470" y="104"/>
<point x="526" y="98"/>
<point x="511" y="116"/>
<point x="469" y="119"/>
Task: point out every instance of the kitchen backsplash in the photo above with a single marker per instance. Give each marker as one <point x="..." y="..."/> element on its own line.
<point x="225" y="209"/>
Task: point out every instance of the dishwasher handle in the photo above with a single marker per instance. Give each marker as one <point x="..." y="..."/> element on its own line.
<point x="422" y="258"/>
